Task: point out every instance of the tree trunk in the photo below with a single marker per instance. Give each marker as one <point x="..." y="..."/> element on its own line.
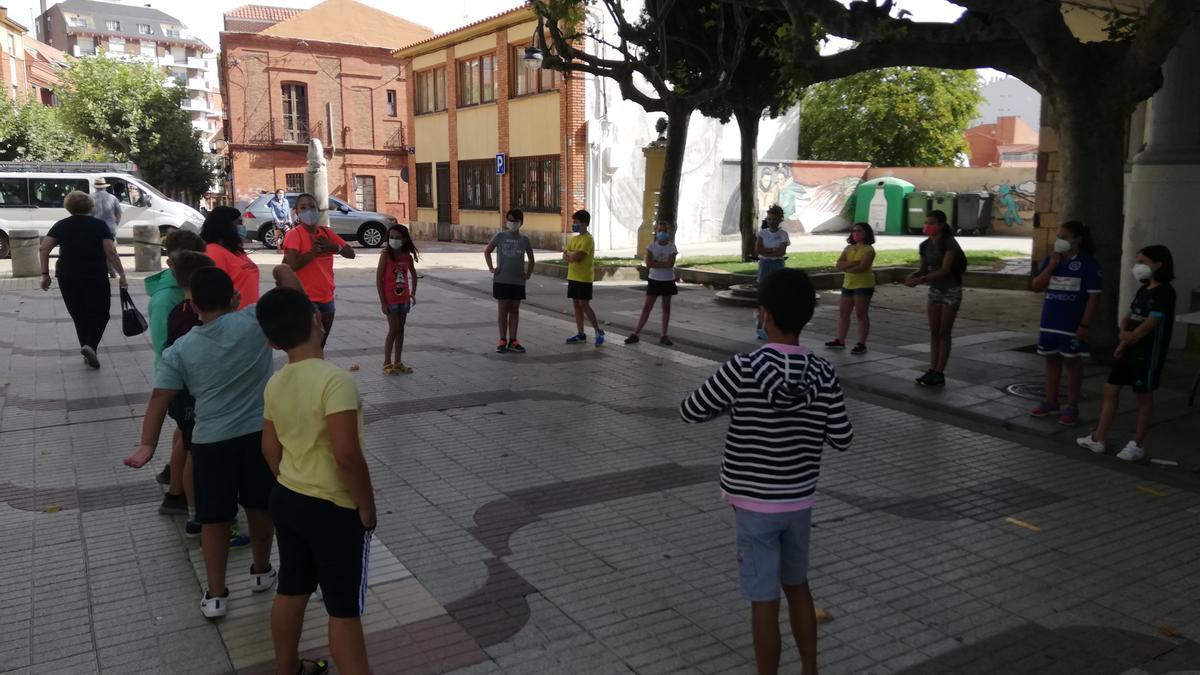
<point x="1092" y="149"/>
<point x="668" y="196"/>
<point x="748" y="120"/>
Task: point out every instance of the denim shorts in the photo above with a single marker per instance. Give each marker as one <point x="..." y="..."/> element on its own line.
<point x="863" y="292"/>
<point x="768" y="265"/>
<point x="400" y="309"/>
<point x="772" y="549"/>
<point x="324" y="307"/>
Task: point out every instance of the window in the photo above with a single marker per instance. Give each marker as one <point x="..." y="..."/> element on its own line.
<point x="12" y="45"/>
<point x="391" y="102"/>
<point x="295" y="113"/>
<point x="294" y="182"/>
<point x="78" y="21"/>
<point x="14" y="192"/>
<point x="364" y="193"/>
<point x="172" y="32"/>
<point x="149" y="50"/>
<point x="527" y="79"/>
<point x="145" y="29"/>
<point x="535" y="183"/>
<point x="116" y="44"/>
<point x="431" y="91"/>
<point x="425" y="185"/>
<point x="48" y="193"/>
<point x="112" y="24"/>
<point x="478" y="185"/>
<point x="477" y="80"/>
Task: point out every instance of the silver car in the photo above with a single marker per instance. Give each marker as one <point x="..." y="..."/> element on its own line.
<point x="368" y="228"/>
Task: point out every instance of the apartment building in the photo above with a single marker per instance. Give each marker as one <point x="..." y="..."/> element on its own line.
<point x="28" y="68"/>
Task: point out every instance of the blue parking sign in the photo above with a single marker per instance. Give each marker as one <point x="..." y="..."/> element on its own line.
<point x="501" y="163"/>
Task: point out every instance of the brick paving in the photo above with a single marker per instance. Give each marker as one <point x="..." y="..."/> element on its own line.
<point x="548" y="513"/>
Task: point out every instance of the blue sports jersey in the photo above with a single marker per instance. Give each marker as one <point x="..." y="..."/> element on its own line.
<point x="1071" y="284"/>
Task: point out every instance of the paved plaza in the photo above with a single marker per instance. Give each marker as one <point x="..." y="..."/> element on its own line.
<point x="549" y="513"/>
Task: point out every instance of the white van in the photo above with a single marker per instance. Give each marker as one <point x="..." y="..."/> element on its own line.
<point x="34" y="200"/>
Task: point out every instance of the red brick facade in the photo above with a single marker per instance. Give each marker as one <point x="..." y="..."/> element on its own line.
<point x="572" y="113"/>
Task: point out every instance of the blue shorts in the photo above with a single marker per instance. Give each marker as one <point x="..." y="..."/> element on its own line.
<point x="324" y="307"/>
<point x="768" y="265"/>
<point x="1057" y="344"/>
<point x="772" y="549"/>
<point x="400" y="309"/>
<point x="862" y="292"/>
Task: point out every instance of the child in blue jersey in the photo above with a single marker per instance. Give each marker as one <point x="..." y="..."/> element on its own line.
<point x="1070" y="277"/>
<point x="1142" y="352"/>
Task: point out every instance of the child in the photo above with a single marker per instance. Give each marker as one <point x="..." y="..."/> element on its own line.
<point x="771" y="247"/>
<point x="785" y="404"/>
<point x="942" y="265"/>
<point x="308" y="249"/>
<point x="396" y="280"/>
<point x="323" y="506"/>
<point x="660" y="263"/>
<point x="1070" y="278"/>
<point x="224" y="363"/>
<point x="858" y="285"/>
<point x="1142" y="352"/>
<point x="581" y="274"/>
<point x="509" y="275"/>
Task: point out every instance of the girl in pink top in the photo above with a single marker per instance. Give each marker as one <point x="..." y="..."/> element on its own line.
<point x="396" y="280"/>
<point x="224" y="233"/>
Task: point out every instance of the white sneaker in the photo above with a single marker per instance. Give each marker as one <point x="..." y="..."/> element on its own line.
<point x="214" y="608"/>
<point x="1132" y="452"/>
<point x="1089" y="443"/>
<point x="262" y="581"/>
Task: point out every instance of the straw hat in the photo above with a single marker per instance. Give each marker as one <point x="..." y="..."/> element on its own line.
<point x="101" y="183"/>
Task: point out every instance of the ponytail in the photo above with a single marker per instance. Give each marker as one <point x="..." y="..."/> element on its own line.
<point x="1078" y="229"/>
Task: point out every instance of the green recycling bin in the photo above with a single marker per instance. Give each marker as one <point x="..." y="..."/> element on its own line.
<point x="880" y="202"/>
<point x="916" y="206"/>
<point x="944" y="202"/>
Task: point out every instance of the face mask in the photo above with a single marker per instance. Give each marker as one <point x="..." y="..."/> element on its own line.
<point x="662" y="236"/>
<point x="513" y="226"/>
<point x="241" y="231"/>
<point x="396" y="244"/>
<point x="858" y="236"/>
<point x="1142" y="272"/>
<point x="576" y="227"/>
<point x="932" y="230"/>
<point x="1061" y="246"/>
<point x="309" y="216"/>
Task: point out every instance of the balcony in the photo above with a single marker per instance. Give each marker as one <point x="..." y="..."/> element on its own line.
<point x="198" y="84"/>
<point x="397" y="140"/>
<point x="78" y="51"/>
<point x="191" y="62"/>
<point x="276" y="133"/>
<point x="196" y="105"/>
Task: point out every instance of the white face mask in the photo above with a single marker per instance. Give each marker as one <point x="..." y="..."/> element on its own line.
<point x="1142" y="272"/>
<point x="396" y="244"/>
<point x="1061" y="246"/>
<point x="309" y="216"/>
<point x="513" y="225"/>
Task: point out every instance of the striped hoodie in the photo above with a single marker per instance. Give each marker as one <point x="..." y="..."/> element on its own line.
<point x="785" y="404"/>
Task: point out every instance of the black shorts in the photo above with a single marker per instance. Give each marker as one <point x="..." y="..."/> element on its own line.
<point x="660" y="288"/>
<point x="1136" y="370"/>
<point x="321" y="544"/>
<point x="579" y="290"/>
<point x="508" y="291"/>
<point x="228" y="473"/>
<point x="182" y="411"/>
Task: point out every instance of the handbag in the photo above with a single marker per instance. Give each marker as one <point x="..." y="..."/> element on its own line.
<point x="132" y="321"/>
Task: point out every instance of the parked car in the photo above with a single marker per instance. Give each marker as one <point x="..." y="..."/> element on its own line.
<point x="32" y="199"/>
<point x="366" y="227"/>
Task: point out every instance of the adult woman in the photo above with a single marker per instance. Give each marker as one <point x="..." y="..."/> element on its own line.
<point x="224" y="234"/>
<point x="942" y="265"/>
<point x="86" y="250"/>
<point x="308" y="249"/>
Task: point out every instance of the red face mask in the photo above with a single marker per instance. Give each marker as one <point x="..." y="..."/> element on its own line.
<point x="932" y="230"/>
<point x="858" y="236"/>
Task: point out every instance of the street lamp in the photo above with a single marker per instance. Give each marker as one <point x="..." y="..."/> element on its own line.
<point x="533" y="57"/>
<point x="535" y="53"/>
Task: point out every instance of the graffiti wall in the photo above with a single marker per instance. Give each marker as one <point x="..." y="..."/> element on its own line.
<point x="1013" y="190"/>
<point x="812" y="194"/>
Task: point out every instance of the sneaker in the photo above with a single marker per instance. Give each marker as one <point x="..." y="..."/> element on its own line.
<point x="89" y="357"/>
<point x="214" y="608"/>
<point x="937" y="379"/>
<point x="762" y="334"/>
<point x="1091" y="444"/>
<point x="173" y="505"/>
<point x="236" y="538"/>
<point x="1132" y="452"/>
<point x="164" y="476"/>
<point x="835" y="344"/>
<point x="664" y="340"/>
<point x="599" y="338"/>
<point x="502" y="346"/>
<point x="1070" y="416"/>
<point x="1045" y="409"/>
<point x="924" y="379"/>
<point x="577" y="339"/>
<point x="262" y="581"/>
<point x="859" y="349"/>
<point x="192" y="529"/>
<point x="515" y="346"/>
<point x="632" y="339"/>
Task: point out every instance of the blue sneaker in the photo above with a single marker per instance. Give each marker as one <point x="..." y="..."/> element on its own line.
<point x="577" y="339"/>
<point x="599" y="338"/>
<point x="762" y="334"/>
<point x="236" y="538"/>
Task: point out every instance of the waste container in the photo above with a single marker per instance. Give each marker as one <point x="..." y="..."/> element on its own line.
<point x="974" y="212"/>
<point x="944" y="202"/>
<point x="916" y="205"/>
<point x="881" y="203"/>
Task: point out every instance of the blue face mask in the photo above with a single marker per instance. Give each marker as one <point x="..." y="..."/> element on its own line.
<point x="576" y="227"/>
<point x="662" y="236"/>
<point x="241" y="231"/>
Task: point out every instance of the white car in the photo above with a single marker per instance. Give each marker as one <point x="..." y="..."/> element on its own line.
<point x="34" y="200"/>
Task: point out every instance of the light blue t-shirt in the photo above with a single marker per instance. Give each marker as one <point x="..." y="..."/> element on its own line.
<point x="225" y="365"/>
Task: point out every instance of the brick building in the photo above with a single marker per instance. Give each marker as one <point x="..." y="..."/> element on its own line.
<point x="1009" y="141"/>
<point x="326" y="73"/>
<point x="28" y="68"/>
<point x="472" y="98"/>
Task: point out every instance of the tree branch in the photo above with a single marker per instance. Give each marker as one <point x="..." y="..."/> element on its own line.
<point x="1162" y="25"/>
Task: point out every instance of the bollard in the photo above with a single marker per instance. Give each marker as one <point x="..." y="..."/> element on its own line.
<point x="26" y="257"/>
<point x="147" y="251"/>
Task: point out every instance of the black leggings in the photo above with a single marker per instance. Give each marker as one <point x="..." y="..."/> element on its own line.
<point x="89" y="302"/>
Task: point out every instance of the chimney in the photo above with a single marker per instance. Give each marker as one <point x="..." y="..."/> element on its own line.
<point x="43" y="23"/>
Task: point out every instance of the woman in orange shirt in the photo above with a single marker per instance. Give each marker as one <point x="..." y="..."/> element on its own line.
<point x="224" y="234"/>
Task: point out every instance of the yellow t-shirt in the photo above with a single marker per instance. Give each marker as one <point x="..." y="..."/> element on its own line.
<point x="858" y="280"/>
<point x="297" y="400"/>
<point x="584" y="270"/>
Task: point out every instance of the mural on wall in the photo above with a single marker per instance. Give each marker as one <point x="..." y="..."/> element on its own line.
<point x="1013" y="204"/>
<point x="812" y="194"/>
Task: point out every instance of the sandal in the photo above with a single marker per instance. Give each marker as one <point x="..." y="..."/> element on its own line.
<point x="666" y="341"/>
<point x="389" y="369"/>
<point x="632" y="339"/>
<point x="320" y="667"/>
<point x="400" y="368"/>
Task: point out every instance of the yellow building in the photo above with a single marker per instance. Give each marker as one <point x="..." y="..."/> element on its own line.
<point x="472" y="98"/>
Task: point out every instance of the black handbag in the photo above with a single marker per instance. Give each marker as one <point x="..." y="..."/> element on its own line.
<point x="132" y="321"/>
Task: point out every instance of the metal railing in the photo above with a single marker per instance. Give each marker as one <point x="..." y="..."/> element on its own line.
<point x="397" y="140"/>
<point x="276" y="132"/>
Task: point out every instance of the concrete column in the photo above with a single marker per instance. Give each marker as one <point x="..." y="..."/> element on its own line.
<point x="147" y="251"/>
<point x="25" y="246"/>
<point x="1161" y="205"/>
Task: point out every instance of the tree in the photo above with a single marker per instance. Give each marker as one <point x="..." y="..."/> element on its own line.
<point x="131" y="111"/>
<point x="890" y="117"/>
<point x="659" y="64"/>
<point x="32" y="132"/>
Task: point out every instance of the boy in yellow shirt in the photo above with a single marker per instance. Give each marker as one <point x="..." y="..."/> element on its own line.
<point x="323" y="505"/>
<point x="580" y="255"/>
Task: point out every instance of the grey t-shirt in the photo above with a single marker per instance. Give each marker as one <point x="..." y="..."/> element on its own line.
<point x="935" y="253"/>
<point x="510" y="257"/>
